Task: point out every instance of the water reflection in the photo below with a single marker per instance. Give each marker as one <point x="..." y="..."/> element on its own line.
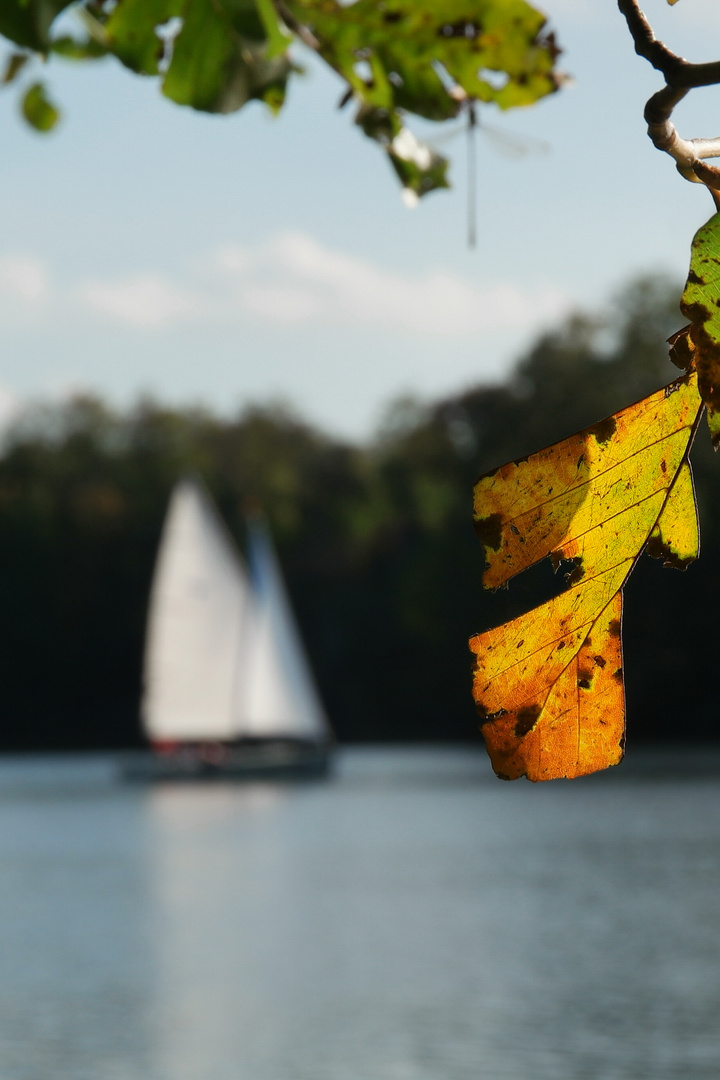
<point x="218" y="871"/>
<point x="443" y="925"/>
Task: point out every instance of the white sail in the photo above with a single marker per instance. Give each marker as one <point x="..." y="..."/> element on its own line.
<point x="223" y="656"/>
<point x="200" y="612"/>
<point x="281" y="698"/>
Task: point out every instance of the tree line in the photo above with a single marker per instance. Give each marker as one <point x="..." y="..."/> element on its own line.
<point x="375" y="540"/>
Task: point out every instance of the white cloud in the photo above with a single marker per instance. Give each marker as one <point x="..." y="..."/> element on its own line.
<point x="22" y="276"/>
<point x="293" y="278"/>
<point x="290" y="279"/>
<point x="283" y="303"/>
<point x="230" y="258"/>
<point x="145" y="299"/>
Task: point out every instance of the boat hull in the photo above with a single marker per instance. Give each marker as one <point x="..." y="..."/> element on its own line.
<point x="273" y="761"/>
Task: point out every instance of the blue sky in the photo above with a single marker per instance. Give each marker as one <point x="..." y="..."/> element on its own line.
<point x="222" y="260"/>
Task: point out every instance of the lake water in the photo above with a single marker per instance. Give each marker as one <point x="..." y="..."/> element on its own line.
<point x="412" y="919"/>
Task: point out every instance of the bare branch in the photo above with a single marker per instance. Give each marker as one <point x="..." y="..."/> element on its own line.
<point x="680" y="77"/>
<point x="678" y="71"/>
<point x="646" y="44"/>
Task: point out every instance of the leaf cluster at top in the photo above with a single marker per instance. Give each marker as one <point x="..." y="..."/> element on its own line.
<point x="428" y="58"/>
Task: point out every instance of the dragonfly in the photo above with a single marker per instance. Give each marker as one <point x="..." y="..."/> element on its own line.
<point x="505" y="142"/>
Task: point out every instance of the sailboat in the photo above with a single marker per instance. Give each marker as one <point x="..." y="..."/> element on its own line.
<point x="227" y="687"/>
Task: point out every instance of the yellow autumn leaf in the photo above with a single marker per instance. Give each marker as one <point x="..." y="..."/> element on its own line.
<point x="548" y="685"/>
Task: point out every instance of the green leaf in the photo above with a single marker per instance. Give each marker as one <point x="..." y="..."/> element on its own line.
<point x="72" y="49"/>
<point x="16" y="62"/>
<point x="493" y="50"/>
<point x="699" y="303"/>
<point x="220" y="59"/>
<point x="379" y="123"/>
<point x="427" y="57"/>
<point x="207" y="69"/>
<point x="420" y="90"/>
<point x="278" y="41"/>
<point x="420" y="178"/>
<point x="419" y="169"/>
<point x="131" y="32"/>
<point x="38" y="110"/>
<point x="28" y="22"/>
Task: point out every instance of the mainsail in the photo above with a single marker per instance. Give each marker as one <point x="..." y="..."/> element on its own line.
<point x="223" y="658"/>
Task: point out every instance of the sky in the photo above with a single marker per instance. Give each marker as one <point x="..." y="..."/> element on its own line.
<point x="149" y="250"/>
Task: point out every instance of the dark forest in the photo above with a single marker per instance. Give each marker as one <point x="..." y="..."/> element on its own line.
<point x="376" y="543"/>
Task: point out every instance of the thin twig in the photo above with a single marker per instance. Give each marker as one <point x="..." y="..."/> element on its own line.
<point x="680" y="77"/>
<point x="298" y="28"/>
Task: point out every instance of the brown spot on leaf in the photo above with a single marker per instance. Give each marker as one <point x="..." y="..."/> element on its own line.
<point x="605" y="430"/>
<point x="556" y="557"/>
<point x="614" y="628"/>
<point x="600" y="661"/>
<point x="697" y="314"/>
<point x="584" y="683"/>
<point x="577" y="572"/>
<point x="657" y="548"/>
<point x="618" y="674"/>
<point x="694" y="279"/>
<point x="561" y="645"/>
<point x="682" y="348"/>
<point x="521" y="642"/>
<point x="489" y="531"/>
<point x="485" y="715"/>
<point x="526" y="720"/>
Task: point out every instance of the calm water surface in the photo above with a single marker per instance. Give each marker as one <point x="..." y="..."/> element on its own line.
<point x="412" y="919"/>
